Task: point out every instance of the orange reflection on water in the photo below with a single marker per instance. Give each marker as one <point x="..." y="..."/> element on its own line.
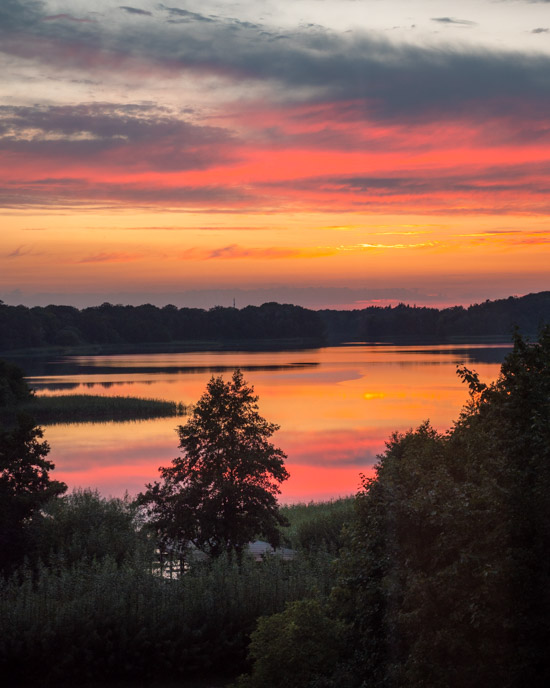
<point x="336" y="407"/>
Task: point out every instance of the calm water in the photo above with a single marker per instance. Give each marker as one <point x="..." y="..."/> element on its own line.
<point x="336" y="407"/>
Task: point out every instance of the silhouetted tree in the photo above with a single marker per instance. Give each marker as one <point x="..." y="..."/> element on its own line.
<point x="447" y="579"/>
<point x="25" y="486"/>
<point x="13" y="387"/>
<point x="222" y="491"/>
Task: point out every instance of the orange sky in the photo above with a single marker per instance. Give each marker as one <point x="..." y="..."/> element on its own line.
<point x="172" y="154"/>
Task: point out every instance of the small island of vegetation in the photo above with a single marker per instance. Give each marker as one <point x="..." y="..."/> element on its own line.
<point x="16" y="398"/>
<point x="93" y="408"/>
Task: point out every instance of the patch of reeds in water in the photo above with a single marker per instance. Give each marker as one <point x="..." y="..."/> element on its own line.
<point x="88" y="408"/>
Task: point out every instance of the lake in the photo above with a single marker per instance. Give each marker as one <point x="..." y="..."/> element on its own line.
<point x="336" y="406"/>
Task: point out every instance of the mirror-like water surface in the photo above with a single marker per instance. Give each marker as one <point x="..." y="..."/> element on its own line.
<point x="336" y="407"/>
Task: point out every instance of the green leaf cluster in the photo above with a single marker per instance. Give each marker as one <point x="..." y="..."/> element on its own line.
<point x="296" y="647"/>
<point x="447" y="578"/>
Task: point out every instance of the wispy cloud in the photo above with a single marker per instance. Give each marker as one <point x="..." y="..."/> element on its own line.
<point x="320" y="120"/>
<point x="370" y="246"/>
<point x="200" y="228"/>
<point x="106" y="257"/>
<point x="509" y="237"/>
<point x="186" y="15"/>
<point x="401" y="81"/>
<point x="135" y="10"/>
<point x="69" y="18"/>
<point x="236" y="252"/>
<point x="19" y="252"/>
<point x="450" y="20"/>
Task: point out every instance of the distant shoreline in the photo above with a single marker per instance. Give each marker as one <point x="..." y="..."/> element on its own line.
<point x="112" y="329"/>
<point x="242" y="345"/>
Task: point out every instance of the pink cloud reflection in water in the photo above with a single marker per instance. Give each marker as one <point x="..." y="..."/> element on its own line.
<point x="336" y="407"/>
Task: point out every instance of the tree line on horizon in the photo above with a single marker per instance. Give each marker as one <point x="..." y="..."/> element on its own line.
<point x="22" y="327"/>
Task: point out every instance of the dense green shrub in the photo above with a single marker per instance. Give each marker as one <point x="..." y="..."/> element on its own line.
<point x="447" y="580"/>
<point x="84" y="526"/>
<point x="296" y="647"/>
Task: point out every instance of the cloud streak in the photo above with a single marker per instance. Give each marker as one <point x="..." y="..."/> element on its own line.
<point x="106" y="257"/>
<point x="450" y="20"/>
<point x="70" y="18"/>
<point x="19" y="252"/>
<point x="236" y="252"/>
<point x="135" y="10"/>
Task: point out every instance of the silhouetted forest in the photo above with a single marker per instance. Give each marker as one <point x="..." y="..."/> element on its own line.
<point x="488" y="319"/>
<point x="117" y="325"/>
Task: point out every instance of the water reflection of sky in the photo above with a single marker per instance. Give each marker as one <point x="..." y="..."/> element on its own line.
<point x="336" y="407"/>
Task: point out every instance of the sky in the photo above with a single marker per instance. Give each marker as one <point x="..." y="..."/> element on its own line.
<point x="329" y="153"/>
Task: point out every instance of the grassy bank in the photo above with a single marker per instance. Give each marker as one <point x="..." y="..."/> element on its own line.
<point x="88" y="408"/>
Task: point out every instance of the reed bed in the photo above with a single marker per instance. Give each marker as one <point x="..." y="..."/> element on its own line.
<point x="99" y="620"/>
<point x="88" y="408"/>
<point x="318" y="526"/>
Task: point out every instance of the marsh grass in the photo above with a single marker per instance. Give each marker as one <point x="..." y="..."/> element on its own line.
<point x="90" y="607"/>
<point x="318" y="526"/>
<point x="99" y="621"/>
<point x="88" y="408"/>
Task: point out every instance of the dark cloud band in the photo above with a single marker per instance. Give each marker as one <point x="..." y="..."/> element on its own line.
<point x="401" y="82"/>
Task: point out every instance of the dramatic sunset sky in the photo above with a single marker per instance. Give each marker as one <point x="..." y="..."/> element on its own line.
<point x="322" y="152"/>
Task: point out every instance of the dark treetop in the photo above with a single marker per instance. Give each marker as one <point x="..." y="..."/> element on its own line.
<point x="221" y="493"/>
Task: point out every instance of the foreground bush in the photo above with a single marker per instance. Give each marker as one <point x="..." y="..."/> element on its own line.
<point x="295" y="648"/>
<point x="84" y="527"/>
<point x="447" y="580"/>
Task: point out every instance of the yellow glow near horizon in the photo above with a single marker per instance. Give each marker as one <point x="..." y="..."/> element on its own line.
<point x="127" y="250"/>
